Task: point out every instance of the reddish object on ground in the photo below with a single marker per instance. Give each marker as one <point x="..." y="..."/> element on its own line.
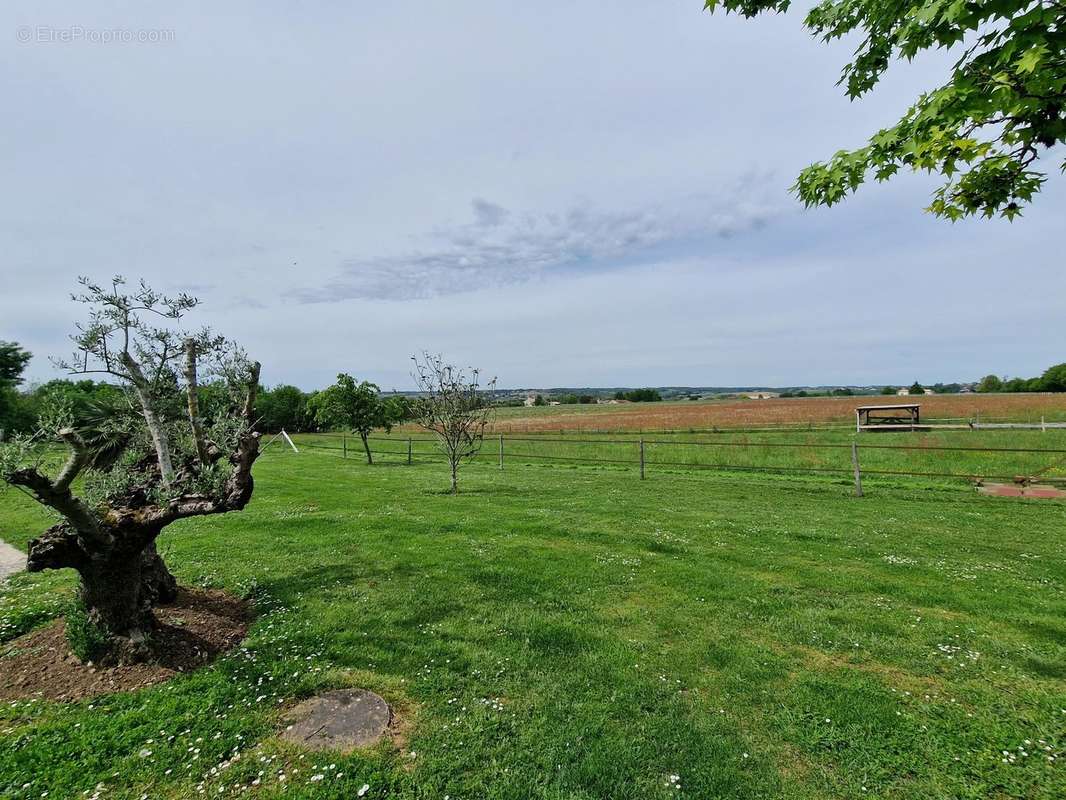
<point x="1016" y="490"/>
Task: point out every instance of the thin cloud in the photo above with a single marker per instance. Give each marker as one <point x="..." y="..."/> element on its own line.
<point x="501" y="247"/>
<point x="488" y="215"/>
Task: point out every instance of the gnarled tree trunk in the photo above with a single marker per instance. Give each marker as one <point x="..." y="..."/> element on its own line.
<point x="114" y="595"/>
<point x="115" y="587"/>
<point x="160" y="586"/>
<point x="120" y="581"/>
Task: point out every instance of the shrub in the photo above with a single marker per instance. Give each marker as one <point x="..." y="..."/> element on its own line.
<point x="87" y="640"/>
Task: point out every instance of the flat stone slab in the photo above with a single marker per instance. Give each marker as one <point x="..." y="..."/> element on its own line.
<point x="343" y="719"/>
<point x="11" y="560"/>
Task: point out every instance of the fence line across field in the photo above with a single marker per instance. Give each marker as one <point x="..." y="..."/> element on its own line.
<point x="696" y="465"/>
<point x="746" y="445"/>
<point x="805" y="445"/>
<point x="642" y="463"/>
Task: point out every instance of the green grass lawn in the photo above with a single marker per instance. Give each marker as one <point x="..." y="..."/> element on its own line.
<point x="558" y="632"/>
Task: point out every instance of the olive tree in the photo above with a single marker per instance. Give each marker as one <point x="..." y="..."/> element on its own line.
<point x="140" y="464"/>
<point x="455" y="406"/>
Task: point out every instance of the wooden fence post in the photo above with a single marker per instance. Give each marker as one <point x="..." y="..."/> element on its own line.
<point x="344" y="446"/>
<point x="642" y="458"/>
<point x="408" y="450"/>
<point x="855" y="466"/>
<point x="501" y="451"/>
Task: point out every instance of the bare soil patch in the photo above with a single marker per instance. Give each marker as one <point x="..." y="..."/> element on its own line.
<point x="192" y="632"/>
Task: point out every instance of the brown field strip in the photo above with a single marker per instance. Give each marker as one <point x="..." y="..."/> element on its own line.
<point x="705" y="415"/>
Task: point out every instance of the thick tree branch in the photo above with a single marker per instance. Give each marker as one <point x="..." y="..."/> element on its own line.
<point x="79" y="457"/>
<point x="151" y="419"/>
<point x="59" y="498"/>
<point x="237" y="490"/>
<point x="57" y="548"/>
<point x="193" y="401"/>
<point x="253" y="391"/>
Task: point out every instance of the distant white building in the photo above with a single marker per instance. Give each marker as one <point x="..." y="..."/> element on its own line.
<point x="531" y="400"/>
<point x="761" y="395"/>
<point x="906" y="392"/>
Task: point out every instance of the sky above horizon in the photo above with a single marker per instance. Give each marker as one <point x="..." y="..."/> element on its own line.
<point x="561" y="193"/>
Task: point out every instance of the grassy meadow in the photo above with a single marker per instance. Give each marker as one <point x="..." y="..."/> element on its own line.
<point x="559" y="631"/>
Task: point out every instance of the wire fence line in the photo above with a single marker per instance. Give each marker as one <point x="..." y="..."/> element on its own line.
<point x="953" y="462"/>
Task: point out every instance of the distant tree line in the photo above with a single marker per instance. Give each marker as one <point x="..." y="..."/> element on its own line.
<point x="915" y="388"/>
<point x="639" y="396"/>
<point x="1052" y="380"/>
<point x="576" y="399"/>
<point x="282" y="407"/>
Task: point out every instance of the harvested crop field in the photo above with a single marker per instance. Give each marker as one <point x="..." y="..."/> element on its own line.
<point x="703" y="415"/>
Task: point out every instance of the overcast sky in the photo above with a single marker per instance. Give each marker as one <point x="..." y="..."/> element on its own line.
<point x="563" y="193"/>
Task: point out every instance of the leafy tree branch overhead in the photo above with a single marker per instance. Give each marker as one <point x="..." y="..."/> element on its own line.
<point x="984" y="130"/>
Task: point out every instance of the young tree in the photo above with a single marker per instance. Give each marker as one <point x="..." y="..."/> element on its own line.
<point x="916" y="388"/>
<point x="453" y="405"/>
<point x="983" y="130"/>
<point x="356" y="406"/>
<point x="146" y="462"/>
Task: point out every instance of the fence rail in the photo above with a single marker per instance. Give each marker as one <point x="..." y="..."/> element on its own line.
<point x="960" y="462"/>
